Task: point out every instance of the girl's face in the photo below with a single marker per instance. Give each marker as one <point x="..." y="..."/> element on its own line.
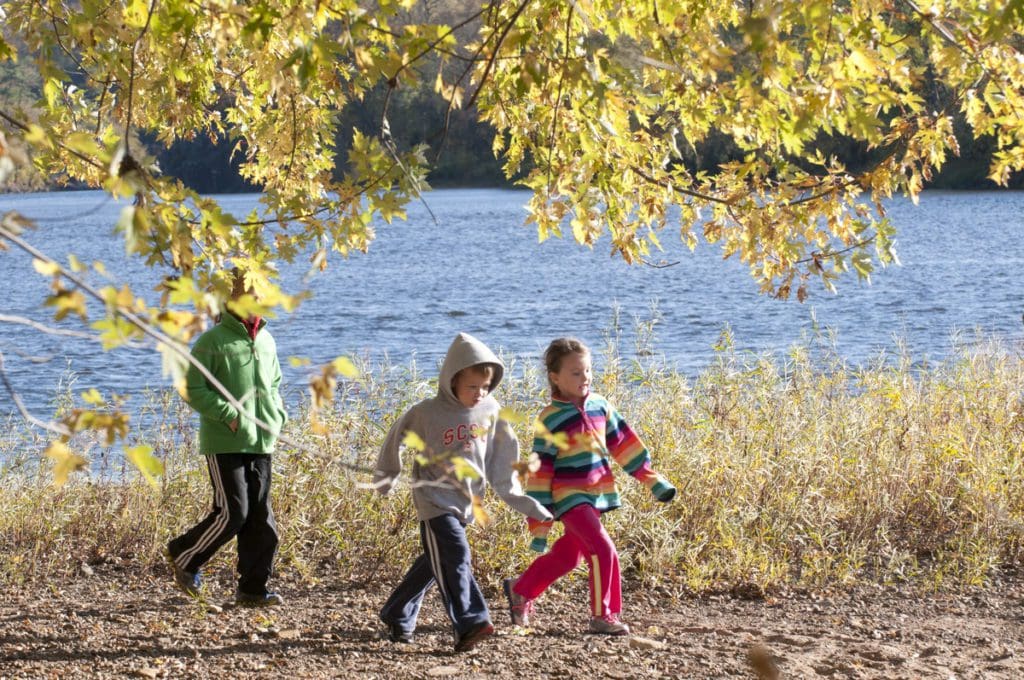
<point x="572" y="379"/>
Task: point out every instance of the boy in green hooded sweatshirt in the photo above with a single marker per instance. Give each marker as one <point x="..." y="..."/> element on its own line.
<point x="242" y="356"/>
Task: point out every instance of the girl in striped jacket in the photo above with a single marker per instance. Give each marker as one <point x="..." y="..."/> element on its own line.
<point x="580" y="432"/>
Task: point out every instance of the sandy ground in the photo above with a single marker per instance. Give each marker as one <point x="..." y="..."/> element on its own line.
<point x="122" y="622"/>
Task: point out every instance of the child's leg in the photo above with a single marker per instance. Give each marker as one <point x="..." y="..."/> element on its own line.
<point x="563" y="557"/>
<point x="444" y="540"/>
<point x="196" y="546"/>
<point x="584" y="523"/>
<point x="403" y="607"/>
<point x="258" y="539"/>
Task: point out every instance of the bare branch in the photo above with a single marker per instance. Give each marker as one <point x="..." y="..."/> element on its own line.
<point x="48" y="425"/>
<point x="162" y="339"/>
<point x="8" y="318"/>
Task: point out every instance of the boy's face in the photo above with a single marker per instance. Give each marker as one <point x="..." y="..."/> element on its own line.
<point x="573" y="377"/>
<point x="471" y="387"/>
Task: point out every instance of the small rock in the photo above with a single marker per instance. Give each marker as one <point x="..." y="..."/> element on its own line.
<point x="146" y="672"/>
<point x="214" y="609"/>
<point x="762" y="662"/>
<point x="87" y="570"/>
<point x="289" y="634"/>
<point x="637" y="642"/>
<point x="442" y="671"/>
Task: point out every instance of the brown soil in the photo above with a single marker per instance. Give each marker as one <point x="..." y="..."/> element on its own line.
<point x="117" y="622"/>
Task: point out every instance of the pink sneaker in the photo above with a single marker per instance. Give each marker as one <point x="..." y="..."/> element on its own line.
<point x="609" y="624"/>
<point x="519" y="608"/>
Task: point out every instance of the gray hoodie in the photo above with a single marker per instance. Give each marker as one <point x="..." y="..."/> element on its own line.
<point x="449" y="429"/>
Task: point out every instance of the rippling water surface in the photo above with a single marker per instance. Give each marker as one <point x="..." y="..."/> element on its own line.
<point x="479" y="269"/>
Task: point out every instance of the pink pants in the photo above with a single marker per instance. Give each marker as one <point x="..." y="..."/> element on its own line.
<point x="584" y="537"/>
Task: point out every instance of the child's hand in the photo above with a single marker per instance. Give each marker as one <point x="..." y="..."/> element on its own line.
<point x="233" y="425"/>
<point x="663" y="491"/>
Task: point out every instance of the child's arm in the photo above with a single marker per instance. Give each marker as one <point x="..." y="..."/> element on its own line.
<point x="207" y="401"/>
<point x="538" y="487"/>
<point x="389" y="461"/>
<point x="504" y="450"/>
<point x="629" y="452"/>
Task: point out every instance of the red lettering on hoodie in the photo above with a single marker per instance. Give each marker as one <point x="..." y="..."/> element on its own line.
<point x="464" y="432"/>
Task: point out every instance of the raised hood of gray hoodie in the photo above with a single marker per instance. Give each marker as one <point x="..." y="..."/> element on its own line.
<point x="449" y="430"/>
<point x="466" y="351"/>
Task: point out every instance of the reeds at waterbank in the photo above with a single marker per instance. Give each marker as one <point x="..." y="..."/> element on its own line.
<point x="791" y="471"/>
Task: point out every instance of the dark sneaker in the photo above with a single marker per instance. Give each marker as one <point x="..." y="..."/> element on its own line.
<point x="519" y="608"/>
<point x="472" y="637"/>
<point x="395" y="633"/>
<point x="187" y="582"/>
<point x="259" y="600"/>
<point x="608" y="625"/>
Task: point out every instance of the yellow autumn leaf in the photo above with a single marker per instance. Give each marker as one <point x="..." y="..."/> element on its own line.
<point x="414" y="441"/>
<point x="149" y="465"/>
<point x="93" y="397"/>
<point x="479" y="514"/>
<point x="345" y="367"/>
<point x="464" y="469"/>
<point x="559" y="440"/>
<point x="64" y="462"/>
<point x="45" y="268"/>
<point x="512" y="416"/>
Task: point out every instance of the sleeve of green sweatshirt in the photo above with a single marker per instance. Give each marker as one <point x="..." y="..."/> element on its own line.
<point x="202" y="396"/>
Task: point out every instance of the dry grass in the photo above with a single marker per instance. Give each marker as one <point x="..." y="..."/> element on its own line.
<point x="800" y="471"/>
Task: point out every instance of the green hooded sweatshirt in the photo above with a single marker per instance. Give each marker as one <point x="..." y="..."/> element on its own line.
<point x="249" y="369"/>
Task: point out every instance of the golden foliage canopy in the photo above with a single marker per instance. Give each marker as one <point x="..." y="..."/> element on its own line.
<point x="598" y="106"/>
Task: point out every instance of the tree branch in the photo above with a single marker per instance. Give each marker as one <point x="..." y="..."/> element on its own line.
<point x="7" y="318"/>
<point x="558" y="95"/>
<point x="497" y="47"/>
<point x="162" y="339"/>
<point x="50" y="426"/>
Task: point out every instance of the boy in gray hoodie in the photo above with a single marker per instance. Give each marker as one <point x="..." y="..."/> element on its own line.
<point x="461" y="421"/>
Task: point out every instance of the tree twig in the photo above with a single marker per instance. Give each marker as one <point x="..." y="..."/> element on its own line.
<point x="162" y="339"/>
<point x="50" y="426"/>
<point x="8" y="318"/>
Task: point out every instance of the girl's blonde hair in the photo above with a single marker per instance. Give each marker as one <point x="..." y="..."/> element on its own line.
<point x="557" y="351"/>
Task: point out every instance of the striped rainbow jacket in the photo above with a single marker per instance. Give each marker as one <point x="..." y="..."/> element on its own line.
<point x="574" y="467"/>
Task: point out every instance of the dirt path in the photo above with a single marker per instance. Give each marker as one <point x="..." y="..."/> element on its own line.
<point x="112" y="624"/>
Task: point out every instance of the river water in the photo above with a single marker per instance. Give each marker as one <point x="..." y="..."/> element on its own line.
<point x="479" y="269"/>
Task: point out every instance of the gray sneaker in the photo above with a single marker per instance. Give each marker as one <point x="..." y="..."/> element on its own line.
<point x="519" y="608"/>
<point x="609" y="624"/>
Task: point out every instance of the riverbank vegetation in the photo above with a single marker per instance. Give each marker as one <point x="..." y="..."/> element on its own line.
<point x="795" y="471"/>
